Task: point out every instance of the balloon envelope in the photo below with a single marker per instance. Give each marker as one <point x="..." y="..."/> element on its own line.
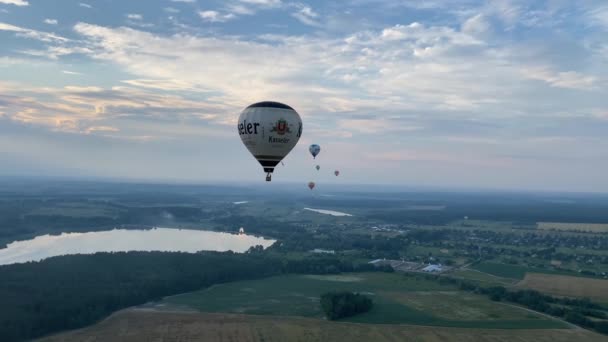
<point x="269" y="130"/>
<point x="311" y="185"/>
<point x="314" y="149"/>
<point x="336" y="172"/>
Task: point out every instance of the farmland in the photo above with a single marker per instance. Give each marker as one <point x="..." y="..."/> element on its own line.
<point x="566" y="286"/>
<point x="583" y="227"/>
<point x="398" y="300"/>
<point x="148" y="325"/>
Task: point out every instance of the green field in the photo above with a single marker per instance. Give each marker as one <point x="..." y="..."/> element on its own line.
<point x="397" y="300"/>
<point x="518" y="271"/>
<point x="483" y="277"/>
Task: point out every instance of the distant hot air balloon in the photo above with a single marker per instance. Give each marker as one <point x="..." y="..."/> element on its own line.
<point x="317" y="167"/>
<point x="336" y="172"/>
<point x="311" y="185"/>
<point x="314" y="150"/>
<point x="269" y="130"/>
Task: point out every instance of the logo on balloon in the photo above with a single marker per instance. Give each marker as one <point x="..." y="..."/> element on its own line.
<point x="281" y="127"/>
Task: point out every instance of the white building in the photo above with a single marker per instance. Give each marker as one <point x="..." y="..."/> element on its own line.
<point x="433" y="268"/>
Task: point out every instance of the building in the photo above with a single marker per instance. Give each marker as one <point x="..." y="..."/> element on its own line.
<point x="433" y="268"/>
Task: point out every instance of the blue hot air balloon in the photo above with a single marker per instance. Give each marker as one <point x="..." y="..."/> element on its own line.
<point x="314" y="150"/>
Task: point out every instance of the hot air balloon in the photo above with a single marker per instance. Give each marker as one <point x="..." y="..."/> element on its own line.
<point x="336" y="172"/>
<point x="269" y="130"/>
<point x="317" y="167"/>
<point x="314" y="150"/>
<point x="311" y="185"/>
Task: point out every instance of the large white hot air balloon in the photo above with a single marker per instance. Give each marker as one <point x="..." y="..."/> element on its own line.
<point x="269" y="130"/>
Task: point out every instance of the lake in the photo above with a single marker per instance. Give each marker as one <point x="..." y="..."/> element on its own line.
<point x="328" y="212"/>
<point x="121" y="240"/>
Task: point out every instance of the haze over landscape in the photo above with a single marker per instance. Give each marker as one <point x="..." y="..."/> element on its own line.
<point x="485" y="94"/>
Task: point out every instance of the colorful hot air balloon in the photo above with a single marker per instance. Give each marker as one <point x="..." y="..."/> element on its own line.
<point x="311" y="185"/>
<point x="317" y="167"/>
<point x="314" y="150"/>
<point x="269" y="130"/>
<point x="336" y="172"/>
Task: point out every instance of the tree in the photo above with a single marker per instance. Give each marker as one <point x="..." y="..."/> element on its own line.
<point x="342" y="304"/>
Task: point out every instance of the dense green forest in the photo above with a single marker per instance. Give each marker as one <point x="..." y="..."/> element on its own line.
<point x="73" y="291"/>
<point x="343" y="304"/>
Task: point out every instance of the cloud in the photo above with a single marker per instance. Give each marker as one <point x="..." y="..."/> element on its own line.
<point x="215" y="17"/>
<point x="95" y="129"/>
<point x="306" y="15"/>
<point x="185" y="1"/>
<point x="476" y="25"/>
<point x="135" y="16"/>
<point x="414" y="68"/>
<point x="96" y="110"/>
<point x="15" y="2"/>
<point x="564" y="79"/>
<point x="82" y="4"/>
<point x="262" y="2"/>
<point x="171" y="10"/>
<point x="71" y="72"/>
<point x="599" y="16"/>
<point x="51" y="21"/>
<point x="33" y="34"/>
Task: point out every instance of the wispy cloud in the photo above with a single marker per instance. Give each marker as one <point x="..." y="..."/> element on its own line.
<point x="215" y="16"/>
<point x="564" y="79"/>
<point x="135" y="16"/>
<point x="85" y="5"/>
<point x="306" y="15"/>
<point x="15" y="2"/>
<point x="51" y="21"/>
<point x="33" y="34"/>
<point x="71" y="72"/>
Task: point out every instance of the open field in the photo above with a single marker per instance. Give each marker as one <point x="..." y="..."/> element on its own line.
<point x="567" y="286"/>
<point x="142" y="326"/>
<point x="585" y="227"/>
<point x="475" y="275"/>
<point x="520" y="271"/>
<point x="397" y="299"/>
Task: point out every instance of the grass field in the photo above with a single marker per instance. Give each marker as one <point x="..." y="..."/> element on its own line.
<point x="143" y="326"/>
<point x="397" y="299"/>
<point x="567" y="286"/>
<point x="585" y="227"/>
<point x="486" y="278"/>
<point x="519" y="271"/>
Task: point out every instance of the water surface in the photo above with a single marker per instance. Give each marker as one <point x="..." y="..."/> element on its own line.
<point x="121" y="240"/>
<point x="328" y="212"/>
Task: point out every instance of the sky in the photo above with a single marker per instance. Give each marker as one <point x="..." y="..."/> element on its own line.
<point x="504" y="94"/>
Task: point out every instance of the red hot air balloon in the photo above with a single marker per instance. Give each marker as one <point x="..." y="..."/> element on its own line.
<point x="336" y="172"/>
<point x="311" y="185"/>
